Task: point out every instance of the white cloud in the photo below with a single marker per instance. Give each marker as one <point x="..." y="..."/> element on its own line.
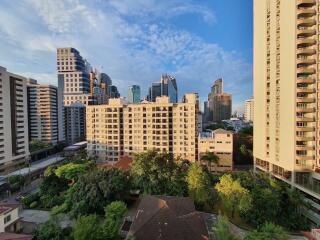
<point x="129" y="51"/>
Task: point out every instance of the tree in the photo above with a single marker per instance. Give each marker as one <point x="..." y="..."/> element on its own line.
<point x="88" y="227"/>
<point x="71" y="171"/>
<point x="268" y="231"/>
<point x="198" y="184"/>
<point x="49" y="231"/>
<point x="16" y="182"/>
<point x="210" y="158"/>
<point x="233" y="195"/>
<point x="159" y="173"/>
<point x="96" y="189"/>
<point x="114" y="214"/>
<point x="222" y="229"/>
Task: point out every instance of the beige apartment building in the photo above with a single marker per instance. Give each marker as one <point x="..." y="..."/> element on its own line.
<point x="219" y="142"/>
<point x="286" y="94"/>
<point x="119" y="129"/>
<point x="249" y="110"/>
<point x="14" y="149"/>
<point x="42" y="112"/>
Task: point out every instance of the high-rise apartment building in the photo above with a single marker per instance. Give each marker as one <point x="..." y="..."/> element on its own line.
<point x="166" y="87"/>
<point x="249" y="110"/>
<point x="286" y="85"/>
<point x="219" y="105"/>
<point x="78" y="83"/>
<point x="134" y="94"/>
<point x="120" y="129"/>
<point x="75" y="123"/>
<point x="14" y="148"/>
<point x="42" y="112"/>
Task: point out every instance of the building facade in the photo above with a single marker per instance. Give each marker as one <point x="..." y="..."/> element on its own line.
<point x="249" y="110"/>
<point x="120" y="129"/>
<point x="219" y="104"/>
<point x="219" y="142"/>
<point x="14" y="148"/>
<point x="42" y="112"/>
<point x="286" y="116"/>
<point x="75" y="123"/>
<point x="166" y="87"/>
<point x="134" y="94"/>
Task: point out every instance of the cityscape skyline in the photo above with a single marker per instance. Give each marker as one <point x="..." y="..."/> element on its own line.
<point x="185" y="52"/>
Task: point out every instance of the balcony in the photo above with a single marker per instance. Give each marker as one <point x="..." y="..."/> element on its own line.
<point x="305" y="119"/>
<point x="305" y="90"/>
<point x="305" y="3"/>
<point x="305" y="129"/>
<point x="306" y="80"/>
<point x="306" y="22"/>
<point x="305" y="110"/>
<point x="306" y="61"/>
<point x="306" y="12"/>
<point x="304" y="147"/>
<point x="306" y="51"/>
<point x="304" y="168"/>
<point x="305" y="100"/>
<point x="305" y="158"/>
<point x="305" y="42"/>
<point x="304" y="138"/>
<point x="306" y="70"/>
<point x="307" y="32"/>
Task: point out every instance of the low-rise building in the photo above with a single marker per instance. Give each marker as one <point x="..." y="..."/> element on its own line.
<point x="9" y="218"/>
<point x="219" y="142"/>
<point x="166" y="217"/>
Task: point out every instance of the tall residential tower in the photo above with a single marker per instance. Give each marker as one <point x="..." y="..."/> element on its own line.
<point x="286" y="86"/>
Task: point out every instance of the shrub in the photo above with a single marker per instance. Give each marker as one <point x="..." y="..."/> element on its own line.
<point x="34" y="204"/>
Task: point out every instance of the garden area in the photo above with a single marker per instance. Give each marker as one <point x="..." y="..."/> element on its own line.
<point x="96" y="199"/>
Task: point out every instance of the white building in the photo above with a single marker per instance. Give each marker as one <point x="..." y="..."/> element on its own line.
<point x="14" y="149"/>
<point x="42" y="112"/>
<point x="248" y="110"/>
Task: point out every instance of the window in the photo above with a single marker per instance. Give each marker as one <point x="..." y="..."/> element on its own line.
<point x="7" y="219"/>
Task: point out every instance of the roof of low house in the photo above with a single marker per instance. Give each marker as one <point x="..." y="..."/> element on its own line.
<point x="220" y="130"/>
<point x="14" y="236"/>
<point x="124" y="163"/>
<point x="7" y="207"/>
<point x="166" y="218"/>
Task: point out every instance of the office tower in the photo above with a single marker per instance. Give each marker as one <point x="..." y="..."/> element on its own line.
<point x="219" y="104"/>
<point x="286" y="118"/>
<point x="14" y="148"/>
<point x="249" y="110"/>
<point x="75" y="123"/>
<point x="113" y="92"/>
<point x="166" y="87"/>
<point x="120" y="129"/>
<point x="42" y="112"/>
<point x="220" y="142"/>
<point x="134" y="94"/>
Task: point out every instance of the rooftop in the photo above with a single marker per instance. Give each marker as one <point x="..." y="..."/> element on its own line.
<point x="166" y="217"/>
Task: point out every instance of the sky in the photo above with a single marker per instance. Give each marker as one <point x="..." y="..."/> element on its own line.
<point x="135" y="41"/>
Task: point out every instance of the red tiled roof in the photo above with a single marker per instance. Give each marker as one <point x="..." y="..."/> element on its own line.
<point x="4" y="207"/>
<point x="14" y="236"/>
<point x="164" y="217"/>
<point x="124" y="163"/>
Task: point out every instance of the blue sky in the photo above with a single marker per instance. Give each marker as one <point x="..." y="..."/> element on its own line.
<point x="134" y="41"/>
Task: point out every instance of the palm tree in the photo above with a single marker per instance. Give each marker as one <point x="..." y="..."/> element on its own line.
<point x="210" y="158"/>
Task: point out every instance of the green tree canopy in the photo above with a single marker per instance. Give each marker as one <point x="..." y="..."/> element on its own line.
<point x="114" y="214"/>
<point x="87" y="227"/>
<point x="96" y="189"/>
<point x="222" y="229"/>
<point x="233" y="195"/>
<point x="198" y="184"/>
<point x="159" y="173"/>
<point x="268" y="231"/>
<point x="49" y="231"/>
<point x="70" y="171"/>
